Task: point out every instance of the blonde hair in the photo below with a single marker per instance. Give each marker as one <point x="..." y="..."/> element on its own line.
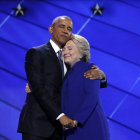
<point x="82" y="45"/>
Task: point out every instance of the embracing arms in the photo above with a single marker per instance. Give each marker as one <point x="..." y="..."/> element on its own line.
<point x="95" y="73"/>
<point x="40" y="87"/>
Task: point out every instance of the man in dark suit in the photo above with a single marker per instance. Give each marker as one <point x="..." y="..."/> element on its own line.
<point x="41" y="117"/>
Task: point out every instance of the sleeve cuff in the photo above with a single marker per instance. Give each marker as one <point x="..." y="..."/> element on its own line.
<point x="103" y="80"/>
<point x="62" y="114"/>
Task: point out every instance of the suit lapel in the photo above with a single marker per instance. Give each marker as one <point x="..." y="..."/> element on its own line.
<point x="68" y="68"/>
<point x="50" y="51"/>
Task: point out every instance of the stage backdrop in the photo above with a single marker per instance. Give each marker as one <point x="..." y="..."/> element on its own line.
<point x="114" y="39"/>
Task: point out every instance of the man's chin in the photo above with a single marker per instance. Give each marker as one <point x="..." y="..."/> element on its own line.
<point x="63" y="44"/>
<point x="64" y="41"/>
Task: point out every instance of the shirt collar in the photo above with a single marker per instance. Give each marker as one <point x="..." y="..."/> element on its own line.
<point x="55" y="47"/>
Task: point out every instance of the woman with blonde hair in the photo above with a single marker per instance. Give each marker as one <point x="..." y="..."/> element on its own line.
<point x="80" y="97"/>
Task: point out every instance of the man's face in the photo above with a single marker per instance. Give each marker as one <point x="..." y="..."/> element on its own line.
<point x="61" y="31"/>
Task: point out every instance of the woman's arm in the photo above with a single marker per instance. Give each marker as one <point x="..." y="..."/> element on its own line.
<point x="92" y="93"/>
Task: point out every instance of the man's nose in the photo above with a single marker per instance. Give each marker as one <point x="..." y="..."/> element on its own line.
<point x="65" y="31"/>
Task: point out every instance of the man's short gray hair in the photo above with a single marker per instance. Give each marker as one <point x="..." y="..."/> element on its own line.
<point x="82" y="45"/>
<point x="62" y="17"/>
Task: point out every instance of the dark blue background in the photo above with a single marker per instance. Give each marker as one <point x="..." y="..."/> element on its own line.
<point x="115" y="47"/>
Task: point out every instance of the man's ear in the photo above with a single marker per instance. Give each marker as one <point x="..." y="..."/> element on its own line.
<point x="50" y="29"/>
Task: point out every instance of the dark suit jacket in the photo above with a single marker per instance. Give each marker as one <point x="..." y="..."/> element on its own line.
<point x="42" y="106"/>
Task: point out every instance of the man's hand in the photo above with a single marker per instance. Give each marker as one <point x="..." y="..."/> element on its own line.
<point x="74" y="121"/>
<point x="67" y="122"/>
<point x="28" y="88"/>
<point x="94" y="73"/>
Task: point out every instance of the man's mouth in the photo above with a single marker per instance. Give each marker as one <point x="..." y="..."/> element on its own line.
<point x="63" y="36"/>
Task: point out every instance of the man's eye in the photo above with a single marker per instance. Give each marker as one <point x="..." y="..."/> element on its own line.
<point x="69" y="29"/>
<point x="70" y="48"/>
<point x="61" y="26"/>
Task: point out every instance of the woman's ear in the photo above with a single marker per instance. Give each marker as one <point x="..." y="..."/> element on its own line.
<point x="81" y="55"/>
<point x="50" y="29"/>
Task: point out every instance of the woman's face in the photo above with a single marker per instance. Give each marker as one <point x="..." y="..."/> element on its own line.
<point x="70" y="53"/>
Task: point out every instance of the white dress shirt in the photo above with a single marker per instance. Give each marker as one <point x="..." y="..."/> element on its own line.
<point x="56" y="49"/>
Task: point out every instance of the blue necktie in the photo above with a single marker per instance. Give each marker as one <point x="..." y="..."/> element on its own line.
<point x="61" y="62"/>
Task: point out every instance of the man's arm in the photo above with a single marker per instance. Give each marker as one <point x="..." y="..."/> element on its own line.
<point x="96" y="73"/>
<point x="34" y="70"/>
<point x="61" y="117"/>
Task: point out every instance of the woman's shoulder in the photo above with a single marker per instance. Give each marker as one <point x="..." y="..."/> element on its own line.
<point x="88" y="65"/>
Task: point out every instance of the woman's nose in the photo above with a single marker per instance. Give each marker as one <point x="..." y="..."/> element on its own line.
<point x="64" y="52"/>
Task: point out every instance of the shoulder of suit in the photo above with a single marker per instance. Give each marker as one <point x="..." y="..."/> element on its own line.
<point x="41" y="47"/>
<point x="40" y="50"/>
